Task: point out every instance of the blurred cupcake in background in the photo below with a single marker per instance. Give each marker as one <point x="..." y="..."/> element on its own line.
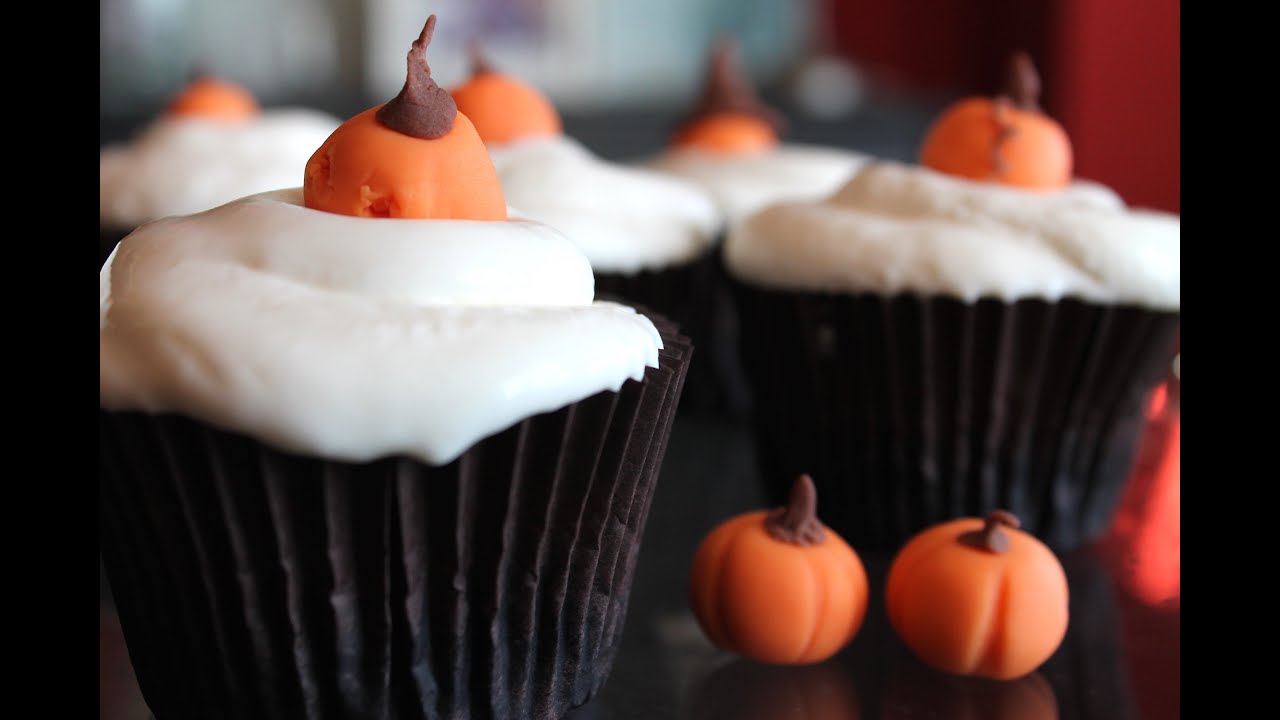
<point x="981" y="331"/>
<point x="213" y="144"/>
<point x="730" y="146"/>
<point x="650" y="238"/>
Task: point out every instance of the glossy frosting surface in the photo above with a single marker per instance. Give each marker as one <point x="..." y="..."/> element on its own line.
<point x="899" y="228"/>
<point x="183" y="165"/>
<point x="743" y="183"/>
<point x="625" y="219"/>
<point x="357" y="338"/>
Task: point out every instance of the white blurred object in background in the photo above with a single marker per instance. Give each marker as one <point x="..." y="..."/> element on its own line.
<point x="827" y="87"/>
<point x="277" y="49"/>
<point x="584" y="54"/>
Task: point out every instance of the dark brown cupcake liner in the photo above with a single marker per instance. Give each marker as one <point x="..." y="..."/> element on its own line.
<point x="253" y="583"/>
<point x="696" y="297"/>
<point x="911" y="410"/>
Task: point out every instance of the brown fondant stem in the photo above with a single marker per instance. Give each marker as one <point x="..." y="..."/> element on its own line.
<point x="1022" y="82"/>
<point x="727" y="89"/>
<point x="1022" y="91"/>
<point x="1004" y="131"/>
<point x="797" y="522"/>
<point x="479" y="63"/>
<point x="991" y="537"/>
<point x="422" y="109"/>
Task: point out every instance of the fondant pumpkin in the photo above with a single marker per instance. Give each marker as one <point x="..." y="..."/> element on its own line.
<point x="414" y="157"/>
<point x="210" y="98"/>
<point x="729" y="118"/>
<point x="778" y="586"/>
<point x="978" y="597"/>
<point x="1005" y="139"/>
<point x="502" y="108"/>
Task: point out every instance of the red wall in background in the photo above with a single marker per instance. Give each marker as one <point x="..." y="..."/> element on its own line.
<point x="1111" y="71"/>
<point x="1119" y="87"/>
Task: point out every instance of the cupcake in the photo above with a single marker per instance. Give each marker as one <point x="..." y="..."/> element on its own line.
<point x="650" y="238"/>
<point x="212" y="145"/>
<point x="729" y="146"/>
<point x="368" y="447"/>
<point x="977" y="332"/>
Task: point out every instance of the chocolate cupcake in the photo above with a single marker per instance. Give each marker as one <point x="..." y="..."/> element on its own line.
<point x="373" y="452"/>
<point x="929" y="345"/>
<point x="651" y="238"/>
<point x="729" y="145"/>
<point x="212" y="145"/>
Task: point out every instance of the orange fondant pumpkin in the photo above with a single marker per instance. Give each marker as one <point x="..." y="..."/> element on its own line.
<point x="975" y="597"/>
<point x="214" y="99"/>
<point x="1004" y="139"/>
<point x="369" y="170"/>
<point x="778" y="586"/>
<point x="414" y="157"/>
<point x="729" y="119"/>
<point x="502" y="108"/>
<point x="728" y="133"/>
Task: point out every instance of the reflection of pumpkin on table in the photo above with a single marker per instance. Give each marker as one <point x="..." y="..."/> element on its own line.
<point x="746" y="690"/>
<point x="916" y="691"/>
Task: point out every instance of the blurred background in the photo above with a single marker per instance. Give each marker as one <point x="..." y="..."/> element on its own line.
<point x="864" y="74"/>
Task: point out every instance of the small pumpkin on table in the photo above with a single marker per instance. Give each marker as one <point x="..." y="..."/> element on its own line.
<point x="778" y="586"/>
<point x="978" y="597"/>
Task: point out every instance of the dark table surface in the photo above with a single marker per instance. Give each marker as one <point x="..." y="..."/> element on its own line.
<point x="1120" y="658"/>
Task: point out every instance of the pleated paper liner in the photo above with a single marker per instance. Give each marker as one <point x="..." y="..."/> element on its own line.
<point x="696" y="297"/>
<point x="908" y="410"/>
<point x="253" y="583"/>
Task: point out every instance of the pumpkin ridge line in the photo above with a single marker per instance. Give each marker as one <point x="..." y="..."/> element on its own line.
<point x="720" y="615"/>
<point x="906" y="572"/>
<point x="996" y="630"/>
<point x="816" y="631"/>
<point x="982" y="631"/>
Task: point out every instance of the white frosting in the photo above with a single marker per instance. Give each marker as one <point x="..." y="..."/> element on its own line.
<point x="182" y="165"/>
<point x="625" y="219"/>
<point x="895" y="228"/>
<point x="743" y="183"/>
<point x="357" y="338"/>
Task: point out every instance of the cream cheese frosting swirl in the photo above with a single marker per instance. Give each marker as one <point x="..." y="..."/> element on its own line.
<point x="898" y="228"/>
<point x="357" y="338"/>
<point x="625" y="219"/>
<point x="180" y="165"/>
<point x="743" y="183"/>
